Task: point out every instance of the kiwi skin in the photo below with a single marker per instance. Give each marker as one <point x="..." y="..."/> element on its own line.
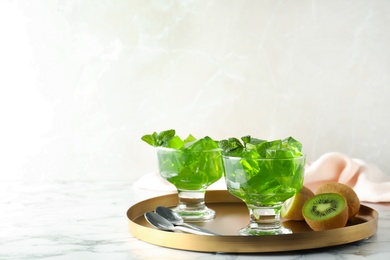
<point x="295" y="205"/>
<point x="346" y="191"/>
<point x="321" y="223"/>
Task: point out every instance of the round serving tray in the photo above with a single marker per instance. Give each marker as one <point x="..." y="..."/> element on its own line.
<point x="231" y="215"/>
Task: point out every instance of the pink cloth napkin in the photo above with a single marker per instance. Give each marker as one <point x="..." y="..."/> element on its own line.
<point x="367" y="180"/>
<point x="369" y="183"/>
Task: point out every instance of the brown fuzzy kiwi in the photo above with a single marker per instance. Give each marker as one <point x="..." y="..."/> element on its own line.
<point x="326" y="211"/>
<point x="344" y="190"/>
<point x="292" y="208"/>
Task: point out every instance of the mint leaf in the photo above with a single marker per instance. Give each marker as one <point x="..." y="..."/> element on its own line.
<point x="246" y="139"/>
<point x="159" y="139"/>
<point x="151" y="139"/>
<point x="231" y="145"/>
<point x="165" y="136"/>
<point x="235" y="143"/>
<point x="224" y="145"/>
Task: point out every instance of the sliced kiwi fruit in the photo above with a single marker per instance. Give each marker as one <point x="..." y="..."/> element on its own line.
<point x="346" y="191"/>
<point x="326" y="211"/>
<point x="292" y="208"/>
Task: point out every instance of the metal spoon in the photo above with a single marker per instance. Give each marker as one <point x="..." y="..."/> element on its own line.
<point x="177" y="220"/>
<point x="161" y="223"/>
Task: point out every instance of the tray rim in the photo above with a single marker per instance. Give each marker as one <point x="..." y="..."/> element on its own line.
<point x="243" y="244"/>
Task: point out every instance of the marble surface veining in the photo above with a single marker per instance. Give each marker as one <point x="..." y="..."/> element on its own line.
<point x="87" y="220"/>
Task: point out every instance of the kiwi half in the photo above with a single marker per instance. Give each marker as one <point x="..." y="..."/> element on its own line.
<point x="292" y="208"/>
<point x="346" y="191"/>
<point x="326" y="211"/>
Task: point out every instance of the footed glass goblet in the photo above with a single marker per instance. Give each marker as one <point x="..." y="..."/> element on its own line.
<point x="192" y="171"/>
<point x="264" y="184"/>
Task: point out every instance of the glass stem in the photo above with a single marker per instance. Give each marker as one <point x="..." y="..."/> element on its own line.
<point x="267" y="217"/>
<point x="192" y="207"/>
<point x="191" y="200"/>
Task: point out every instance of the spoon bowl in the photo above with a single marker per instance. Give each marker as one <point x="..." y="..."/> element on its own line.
<point x="161" y="223"/>
<point x="174" y="218"/>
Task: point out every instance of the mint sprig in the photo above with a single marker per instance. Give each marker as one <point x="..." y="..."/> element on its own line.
<point x="169" y="139"/>
<point x="255" y="147"/>
<point x="230" y="144"/>
<point x="234" y="144"/>
<point x="159" y="139"/>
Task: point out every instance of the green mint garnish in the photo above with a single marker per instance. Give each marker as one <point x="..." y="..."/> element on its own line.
<point x="169" y="139"/>
<point x="258" y="148"/>
<point x="159" y="139"/>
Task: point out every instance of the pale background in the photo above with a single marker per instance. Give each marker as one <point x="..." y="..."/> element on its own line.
<point x="82" y="81"/>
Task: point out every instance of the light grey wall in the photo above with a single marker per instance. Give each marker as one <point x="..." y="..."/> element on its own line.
<point x="82" y="81"/>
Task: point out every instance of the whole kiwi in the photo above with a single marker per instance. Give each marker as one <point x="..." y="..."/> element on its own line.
<point x="346" y="191"/>
<point x="325" y="211"/>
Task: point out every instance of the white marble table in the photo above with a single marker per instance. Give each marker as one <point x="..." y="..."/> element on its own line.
<point x="87" y="220"/>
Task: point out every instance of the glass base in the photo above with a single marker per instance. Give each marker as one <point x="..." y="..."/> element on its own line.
<point x="264" y="220"/>
<point x="192" y="207"/>
<point x="196" y="215"/>
<point x="252" y="230"/>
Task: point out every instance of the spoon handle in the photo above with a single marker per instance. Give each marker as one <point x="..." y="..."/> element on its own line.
<point x="195" y="227"/>
<point x="193" y="231"/>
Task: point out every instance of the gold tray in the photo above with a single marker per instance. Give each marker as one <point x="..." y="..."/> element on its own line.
<point x="231" y="215"/>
